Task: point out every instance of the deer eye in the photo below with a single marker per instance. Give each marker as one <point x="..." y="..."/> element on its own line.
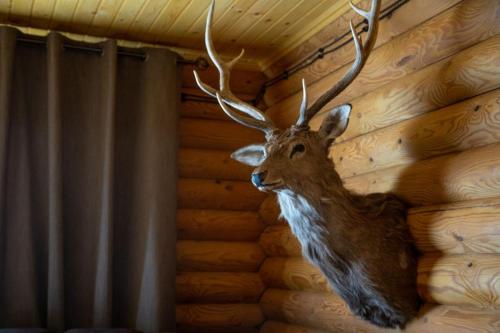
<point x="298" y="148"/>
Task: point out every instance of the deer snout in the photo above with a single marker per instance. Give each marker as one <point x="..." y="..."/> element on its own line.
<point x="258" y="178"/>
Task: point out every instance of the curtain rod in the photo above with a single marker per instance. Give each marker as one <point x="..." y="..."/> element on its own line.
<point x="200" y="63"/>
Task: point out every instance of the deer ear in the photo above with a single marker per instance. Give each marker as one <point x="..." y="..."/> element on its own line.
<point x="252" y="155"/>
<point x="335" y="123"/>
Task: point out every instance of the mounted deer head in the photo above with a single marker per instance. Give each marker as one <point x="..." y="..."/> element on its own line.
<point x="360" y="243"/>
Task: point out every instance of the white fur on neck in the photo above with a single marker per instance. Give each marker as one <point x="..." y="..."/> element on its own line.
<point x="305" y="221"/>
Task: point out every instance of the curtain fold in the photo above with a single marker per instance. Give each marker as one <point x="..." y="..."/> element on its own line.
<point x="88" y="147"/>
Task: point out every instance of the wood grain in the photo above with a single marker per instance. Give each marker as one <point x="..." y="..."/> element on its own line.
<point x="216" y="134"/>
<point x="211" y="164"/>
<point x="218" y="287"/>
<point x="242" y="81"/>
<point x="472" y="174"/>
<point x="204" y="224"/>
<point x="315" y="310"/>
<point x="457" y="28"/>
<point x="470" y="124"/>
<point x="404" y="19"/>
<point x="270" y="211"/>
<point x="210" y="256"/>
<point x="215" y="194"/>
<point x="463" y="75"/>
<point x="470" y="279"/>
<point x="473" y="228"/>
<point x="328" y="312"/>
<point x="219" y="315"/>
<point x="293" y="273"/>
<point x="271" y="326"/>
<point x="279" y="241"/>
<point x="202" y="110"/>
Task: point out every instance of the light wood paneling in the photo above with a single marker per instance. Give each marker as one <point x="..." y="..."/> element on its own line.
<point x="470" y="279"/>
<point x="465" y="228"/>
<point x="462" y="126"/>
<point x="472" y="72"/>
<point x="327" y="312"/>
<point x="404" y="19"/>
<point x="255" y="25"/>
<point x="459" y="27"/>
<point x="472" y="174"/>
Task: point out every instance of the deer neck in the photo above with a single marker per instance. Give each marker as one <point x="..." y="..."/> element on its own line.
<point x="309" y="208"/>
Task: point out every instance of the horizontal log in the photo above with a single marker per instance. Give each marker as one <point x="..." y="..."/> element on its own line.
<point x="328" y="312"/>
<point x="470" y="124"/>
<point x="457" y="228"/>
<point x="242" y="81"/>
<point x="219" y="315"/>
<point x="454" y="319"/>
<point x="470" y="279"/>
<point x="316" y="310"/>
<point x="468" y="175"/>
<point x="218" y="287"/>
<point x="463" y="75"/>
<point x="471" y="227"/>
<point x="271" y="326"/>
<point x="199" y="224"/>
<point x="461" y="26"/>
<point x="216" y="134"/>
<point x="214" y="329"/>
<point x="211" y="164"/>
<point x="293" y="273"/>
<point x="218" y="256"/>
<point x="402" y="20"/>
<point x="202" y="110"/>
<point x="270" y="211"/>
<point x="215" y="194"/>
<point x="279" y="241"/>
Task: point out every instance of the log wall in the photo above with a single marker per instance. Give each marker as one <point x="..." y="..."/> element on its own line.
<point x="218" y="225"/>
<point x="425" y="125"/>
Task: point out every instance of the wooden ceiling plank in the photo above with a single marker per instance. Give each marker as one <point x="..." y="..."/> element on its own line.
<point x="105" y="17"/>
<point x="306" y="10"/>
<point x="194" y="11"/>
<point x="304" y="28"/>
<point x="4" y="10"/>
<point x="196" y="31"/>
<point x="147" y="16"/>
<point x="63" y="14"/>
<point x="238" y="10"/>
<point x="125" y="17"/>
<point x="246" y="23"/>
<point x="168" y="17"/>
<point x="42" y="12"/>
<point x="20" y="10"/>
<point x="277" y="20"/>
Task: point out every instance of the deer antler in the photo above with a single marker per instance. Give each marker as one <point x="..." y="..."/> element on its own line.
<point x="227" y="100"/>
<point x="362" y="53"/>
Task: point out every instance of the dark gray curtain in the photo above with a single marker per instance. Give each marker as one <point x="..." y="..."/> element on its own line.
<point x="87" y="186"/>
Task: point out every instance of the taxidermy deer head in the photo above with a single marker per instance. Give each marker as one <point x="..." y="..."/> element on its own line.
<point x="360" y="243"/>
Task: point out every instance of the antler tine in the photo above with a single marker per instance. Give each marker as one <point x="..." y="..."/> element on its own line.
<point x="224" y="95"/>
<point x="244" y="120"/>
<point x="303" y="104"/>
<point x="362" y="52"/>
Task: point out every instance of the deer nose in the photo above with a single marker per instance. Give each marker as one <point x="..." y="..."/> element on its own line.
<point x="258" y="178"/>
